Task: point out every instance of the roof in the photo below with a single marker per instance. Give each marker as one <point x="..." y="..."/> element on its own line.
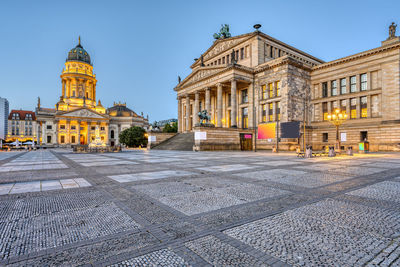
<point x="22" y="114"/>
<point x="78" y="54"/>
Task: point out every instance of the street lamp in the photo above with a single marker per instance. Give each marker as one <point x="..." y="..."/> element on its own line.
<point x="337" y="118"/>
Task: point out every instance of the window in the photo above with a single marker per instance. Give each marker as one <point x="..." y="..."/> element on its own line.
<point x="62" y="127"/>
<point x="48" y="127"/>
<point x="264" y="91"/>
<point x="112" y="133"/>
<point x="363" y="82"/>
<point x="353" y="108"/>
<point x="264" y="112"/>
<point x="227" y="59"/>
<point x="73" y="127"/>
<point x="92" y="138"/>
<point x="324" y="137"/>
<point x="245" y="97"/>
<point x="325" y="110"/>
<point x="343" y="89"/>
<point x="223" y="60"/>
<point x="229" y="100"/>
<point x="219" y="61"/>
<point x="278" y="88"/>
<point x="334" y="105"/>
<point x="73" y="139"/>
<point x="270" y="111"/>
<point x="343" y="104"/>
<point x="363" y="102"/>
<point x="62" y="139"/>
<point x="241" y="53"/>
<point x="278" y="110"/>
<point x="363" y="136"/>
<point x="237" y="54"/>
<point x="353" y="82"/>
<point x="102" y="128"/>
<point x="17" y="130"/>
<point x="245" y="118"/>
<point x="73" y="93"/>
<point x="48" y="139"/>
<point x="271" y="90"/>
<point x="333" y="88"/>
<point x="102" y="138"/>
<point x="93" y="128"/>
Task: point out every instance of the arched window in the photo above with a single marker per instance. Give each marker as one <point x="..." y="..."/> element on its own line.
<point x="87" y="95"/>
<point x="73" y="93"/>
<point x="112" y="133"/>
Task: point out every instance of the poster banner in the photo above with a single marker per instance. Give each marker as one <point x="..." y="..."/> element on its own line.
<point x="200" y="135"/>
<point x="343" y="137"/>
<point x="290" y="129"/>
<point x="266" y="131"/>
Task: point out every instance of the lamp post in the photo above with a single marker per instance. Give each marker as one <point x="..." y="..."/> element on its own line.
<point x="337" y="118"/>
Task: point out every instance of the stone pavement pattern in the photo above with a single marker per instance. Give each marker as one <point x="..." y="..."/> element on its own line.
<point x="180" y="208"/>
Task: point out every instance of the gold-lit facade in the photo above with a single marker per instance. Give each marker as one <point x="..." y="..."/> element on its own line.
<point x="78" y="118"/>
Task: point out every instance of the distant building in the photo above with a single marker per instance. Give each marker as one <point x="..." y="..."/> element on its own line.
<point x="21" y="126"/>
<point x="4" y="109"/>
<point x="164" y="122"/>
<point x="77" y="117"/>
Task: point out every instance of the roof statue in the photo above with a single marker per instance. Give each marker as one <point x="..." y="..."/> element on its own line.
<point x="233" y="57"/>
<point x="223" y="33"/>
<point x="179" y="79"/>
<point x="392" y="30"/>
<point x="38" y="102"/>
<point x="202" y="61"/>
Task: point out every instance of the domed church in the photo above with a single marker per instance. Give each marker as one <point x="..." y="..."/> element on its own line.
<point x="78" y="118"/>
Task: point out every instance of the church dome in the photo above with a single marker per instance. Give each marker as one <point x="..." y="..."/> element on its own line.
<point x="120" y="110"/>
<point x="78" y="54"/>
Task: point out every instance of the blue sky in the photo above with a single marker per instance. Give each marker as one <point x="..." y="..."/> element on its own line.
<point x="140" y="47"/>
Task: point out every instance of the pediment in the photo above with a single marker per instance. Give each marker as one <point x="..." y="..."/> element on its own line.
<point x="200" y="74"/>
<point x="83" y="113"/>
<point x="223" y="45"/>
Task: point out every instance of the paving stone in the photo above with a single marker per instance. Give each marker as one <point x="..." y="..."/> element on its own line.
<point x="388" y="190"/>
<point x="163" y="257"/>
<point x="218" y="253"/>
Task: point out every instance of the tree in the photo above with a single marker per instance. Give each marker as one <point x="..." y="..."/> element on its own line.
<point x="171" y="128"/>
<point x="133" y="137"/>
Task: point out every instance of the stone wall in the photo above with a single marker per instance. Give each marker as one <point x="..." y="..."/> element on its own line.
<point x="218" y="139"/>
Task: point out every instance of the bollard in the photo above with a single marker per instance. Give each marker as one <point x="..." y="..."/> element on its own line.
<point x="350" y="151"/>
<point x="332" y="152"/>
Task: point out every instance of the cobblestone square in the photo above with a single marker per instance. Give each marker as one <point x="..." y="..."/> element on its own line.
<point x="172" y="208"/>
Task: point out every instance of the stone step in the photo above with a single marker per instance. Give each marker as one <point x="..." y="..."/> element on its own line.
<point x="181" y="141"/>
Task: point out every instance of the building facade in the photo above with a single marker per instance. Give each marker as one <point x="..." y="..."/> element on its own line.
<point x="78" y="118"/>
<point x="21" y="126"/>
<point x="251" y="79"/>
<point x="4" y="110"/>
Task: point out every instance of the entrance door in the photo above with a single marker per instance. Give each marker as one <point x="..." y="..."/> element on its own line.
<point x="82" y="139"/>
<point x="246" y="141"/>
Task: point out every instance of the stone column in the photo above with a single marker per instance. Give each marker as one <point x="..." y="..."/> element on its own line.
<point x="208" y="100"/>
<point x="63" y="87"/>
<point x="219" y="105"/>
<point x="274" y="111"/>
<point x="68" y="88"/>
<point x="369" y="111"/>
<point x="187" y="112"/>
<point x="56" y="122"/>
<point x="233" y="104"/>
<point x="88" y="131"/>
<point x="68" y="135"/>
<point x="369" y="82"/>
<point x="251" y="107"/>
<point x="79" y="132"/>
<point x="196" y="108"/>
<point x="179" y="115"/>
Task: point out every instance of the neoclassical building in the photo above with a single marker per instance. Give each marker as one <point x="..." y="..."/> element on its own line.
<point x="252" y="79"/>
<point x="78" y="117"/>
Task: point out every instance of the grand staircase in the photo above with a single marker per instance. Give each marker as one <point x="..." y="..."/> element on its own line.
<point x="181" y="141"/>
